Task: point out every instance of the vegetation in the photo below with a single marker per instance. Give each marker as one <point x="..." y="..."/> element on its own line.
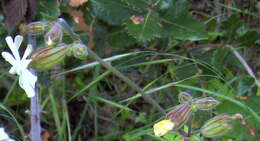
<point x="196" y="59"/>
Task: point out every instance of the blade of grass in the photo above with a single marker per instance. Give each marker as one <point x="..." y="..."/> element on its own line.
<point x="55" y="112"/>
<point x="109" y="59"/>
<point x="92" y="83"/>
<point x="19" y="126"/>
<point x="112" y="103"/>
<point x="10" y="91"/>
<point x="82" y="118"/>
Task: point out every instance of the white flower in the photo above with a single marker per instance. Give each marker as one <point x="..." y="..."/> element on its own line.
<point x="4" y="136"/>
<point x="27" y="80"/>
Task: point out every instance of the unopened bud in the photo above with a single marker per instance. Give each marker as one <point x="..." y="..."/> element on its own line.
<point x="48" y="57"/>
<point x="218" y="125"/>
<point x="184" y="97"/>
<point x="206" y="103"/>
<point x="78" y="50"/>
<point x="54" y="36"/>
<point x="37" y="28"/>
<point x="180" y="115"/>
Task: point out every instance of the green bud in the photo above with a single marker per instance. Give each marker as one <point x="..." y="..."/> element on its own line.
<point x="48" y="57"/>
<point x="78" y="50"/>
<point x="218" y="125"/>
<point x="180" y="115"/>
<point x="37" y="28"/>
<point x="54" y="36"/>
<point x="206" y="103"/>
<point x="184" y="97"/>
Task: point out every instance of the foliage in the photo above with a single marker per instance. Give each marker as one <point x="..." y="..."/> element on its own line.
<point x="174" y="46"/>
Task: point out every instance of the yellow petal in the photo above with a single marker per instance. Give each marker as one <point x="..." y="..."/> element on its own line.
<point x="162" y="127"/>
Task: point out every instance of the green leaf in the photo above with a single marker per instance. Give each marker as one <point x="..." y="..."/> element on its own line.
<point x="180" y="24"/>
<point x="240" y="132"/>
<point x="231" y="26"/>
<point x="49" y="10"/>
<point x="147" y="30"/>
<point x="120" y="39"/>
<point x="139" y="5"/>
<point x="114" y="12"/>
<point x="249" y="38"/>
<point x="217" y="85"/>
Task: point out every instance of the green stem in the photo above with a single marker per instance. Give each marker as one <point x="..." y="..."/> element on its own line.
<point x="147" y="98"/>
<point x="92" y="54"/>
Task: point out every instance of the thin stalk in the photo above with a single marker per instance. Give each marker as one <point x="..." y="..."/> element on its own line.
<point x="244" y="63"/>
<point x="108" y="66"/>
<point x="35" y="133"/>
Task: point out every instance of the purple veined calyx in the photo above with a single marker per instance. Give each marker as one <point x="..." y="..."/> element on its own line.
<point x="184" y="97"/>
<point x="206" y="103"/>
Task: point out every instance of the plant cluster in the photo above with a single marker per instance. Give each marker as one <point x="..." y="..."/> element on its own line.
<point x="110" y="70"/>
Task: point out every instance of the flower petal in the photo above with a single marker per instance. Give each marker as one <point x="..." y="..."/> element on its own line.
<point x="26" y="62"/>
<point x="9" y="58"/>
<point x="3" y="134"/>
<point x="27" y="81"/>
<point x="161" y="128"/>
<point x="13" y="70"/>
<point x="27" y="51"/>
<point x="18" y="41"/>
<point x="24" y="84"/>
<point x="13" y="47"/>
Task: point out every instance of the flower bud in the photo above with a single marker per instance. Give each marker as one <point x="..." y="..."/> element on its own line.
<point x="206" y="103"/>
<point x="37" y="28"/>
<point x="180" y="115"/>
<point x="54" y="35"/>
<point x="184" y="97"/>
<point x="162" y="127"/>
<point x="78" y="50"/>
<point x="48" y="57"/>
<point x="218" y="125"/>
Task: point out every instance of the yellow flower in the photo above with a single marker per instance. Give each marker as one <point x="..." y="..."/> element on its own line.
<point x="162" y="127"/>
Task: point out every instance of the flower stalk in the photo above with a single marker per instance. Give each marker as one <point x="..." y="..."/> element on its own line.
<point x="35" y="133"/>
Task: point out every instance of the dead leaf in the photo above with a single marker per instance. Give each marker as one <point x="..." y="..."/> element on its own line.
<point x="137" y="19"/>
<point x="78" y="18"/>
<point x="77" y="3"/>
<point x="19" y="10"/>
<point x="14" y="11"/>
<point x="32" y="9"/>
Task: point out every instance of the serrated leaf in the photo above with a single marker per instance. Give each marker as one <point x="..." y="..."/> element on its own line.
<point x="147" y="30"/>
<point x="114" y="12"/>
<point x="182" y="25"/>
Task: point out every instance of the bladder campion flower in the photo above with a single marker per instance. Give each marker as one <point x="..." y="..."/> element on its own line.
<point x="162" y="127"/>
<point x="48" y="57"/>
<point x="174" y="119"/>
<point x="219" y="125"/>
<point x="27" y="80"/>
<point x="4" y="136"/>
<point x="206" y="103"/>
